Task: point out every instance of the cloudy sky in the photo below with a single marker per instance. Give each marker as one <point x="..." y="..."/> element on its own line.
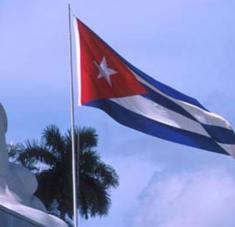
<point x="186" y="44"/>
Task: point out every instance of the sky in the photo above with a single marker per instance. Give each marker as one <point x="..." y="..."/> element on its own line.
<point x="186" y="44"/>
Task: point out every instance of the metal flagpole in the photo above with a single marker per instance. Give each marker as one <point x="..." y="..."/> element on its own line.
<point x="74" y="173"/>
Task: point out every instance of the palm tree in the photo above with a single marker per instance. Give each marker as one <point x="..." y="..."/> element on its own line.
<point x="50" y="160"/>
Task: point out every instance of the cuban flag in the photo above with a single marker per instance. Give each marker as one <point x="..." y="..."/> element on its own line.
<point x="131" y="97"/>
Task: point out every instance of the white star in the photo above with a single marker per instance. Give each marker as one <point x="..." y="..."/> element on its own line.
<point x="105" y="72"/>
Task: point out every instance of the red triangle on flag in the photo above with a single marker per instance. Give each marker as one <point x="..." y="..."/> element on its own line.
<point x="103" y="74"/>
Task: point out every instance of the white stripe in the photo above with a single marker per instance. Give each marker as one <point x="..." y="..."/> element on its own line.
<point x="78" y="58"/>
<point x="229" y="148"/>
<point x="201" y="115"/>
<point x="153" y="111"/>
<point x="206" y="117"/>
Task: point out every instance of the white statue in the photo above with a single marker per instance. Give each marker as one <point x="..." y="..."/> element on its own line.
<point x="17" y="188"/>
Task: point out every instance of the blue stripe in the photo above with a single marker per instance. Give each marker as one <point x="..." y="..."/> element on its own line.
<point x="164" y="88"/>
<point x="157" y="129"/>
<point x="219" y="134"/>
<point x="166" y="102"/>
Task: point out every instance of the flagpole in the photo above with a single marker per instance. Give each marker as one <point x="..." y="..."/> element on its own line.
<point x="74" y="172"/>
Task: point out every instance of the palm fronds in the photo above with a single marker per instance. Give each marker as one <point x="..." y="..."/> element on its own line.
<point x="55" y="182"/>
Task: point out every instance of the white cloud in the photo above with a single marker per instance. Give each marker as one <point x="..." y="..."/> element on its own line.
<point x="197" y="199"/>
<point x="134" y="174"/>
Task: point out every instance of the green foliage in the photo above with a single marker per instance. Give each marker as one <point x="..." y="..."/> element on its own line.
<point x="55" y="181"/>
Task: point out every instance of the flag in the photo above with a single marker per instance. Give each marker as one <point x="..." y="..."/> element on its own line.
<point x="136" y="100"/>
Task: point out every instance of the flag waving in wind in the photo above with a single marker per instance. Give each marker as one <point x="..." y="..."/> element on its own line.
<point x="132" y="98"/>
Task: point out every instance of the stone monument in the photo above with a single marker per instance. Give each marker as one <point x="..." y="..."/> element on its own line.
<point x="18" y="204"/>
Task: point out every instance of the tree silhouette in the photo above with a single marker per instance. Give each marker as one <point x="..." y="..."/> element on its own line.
<point x="50" y="159"/>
